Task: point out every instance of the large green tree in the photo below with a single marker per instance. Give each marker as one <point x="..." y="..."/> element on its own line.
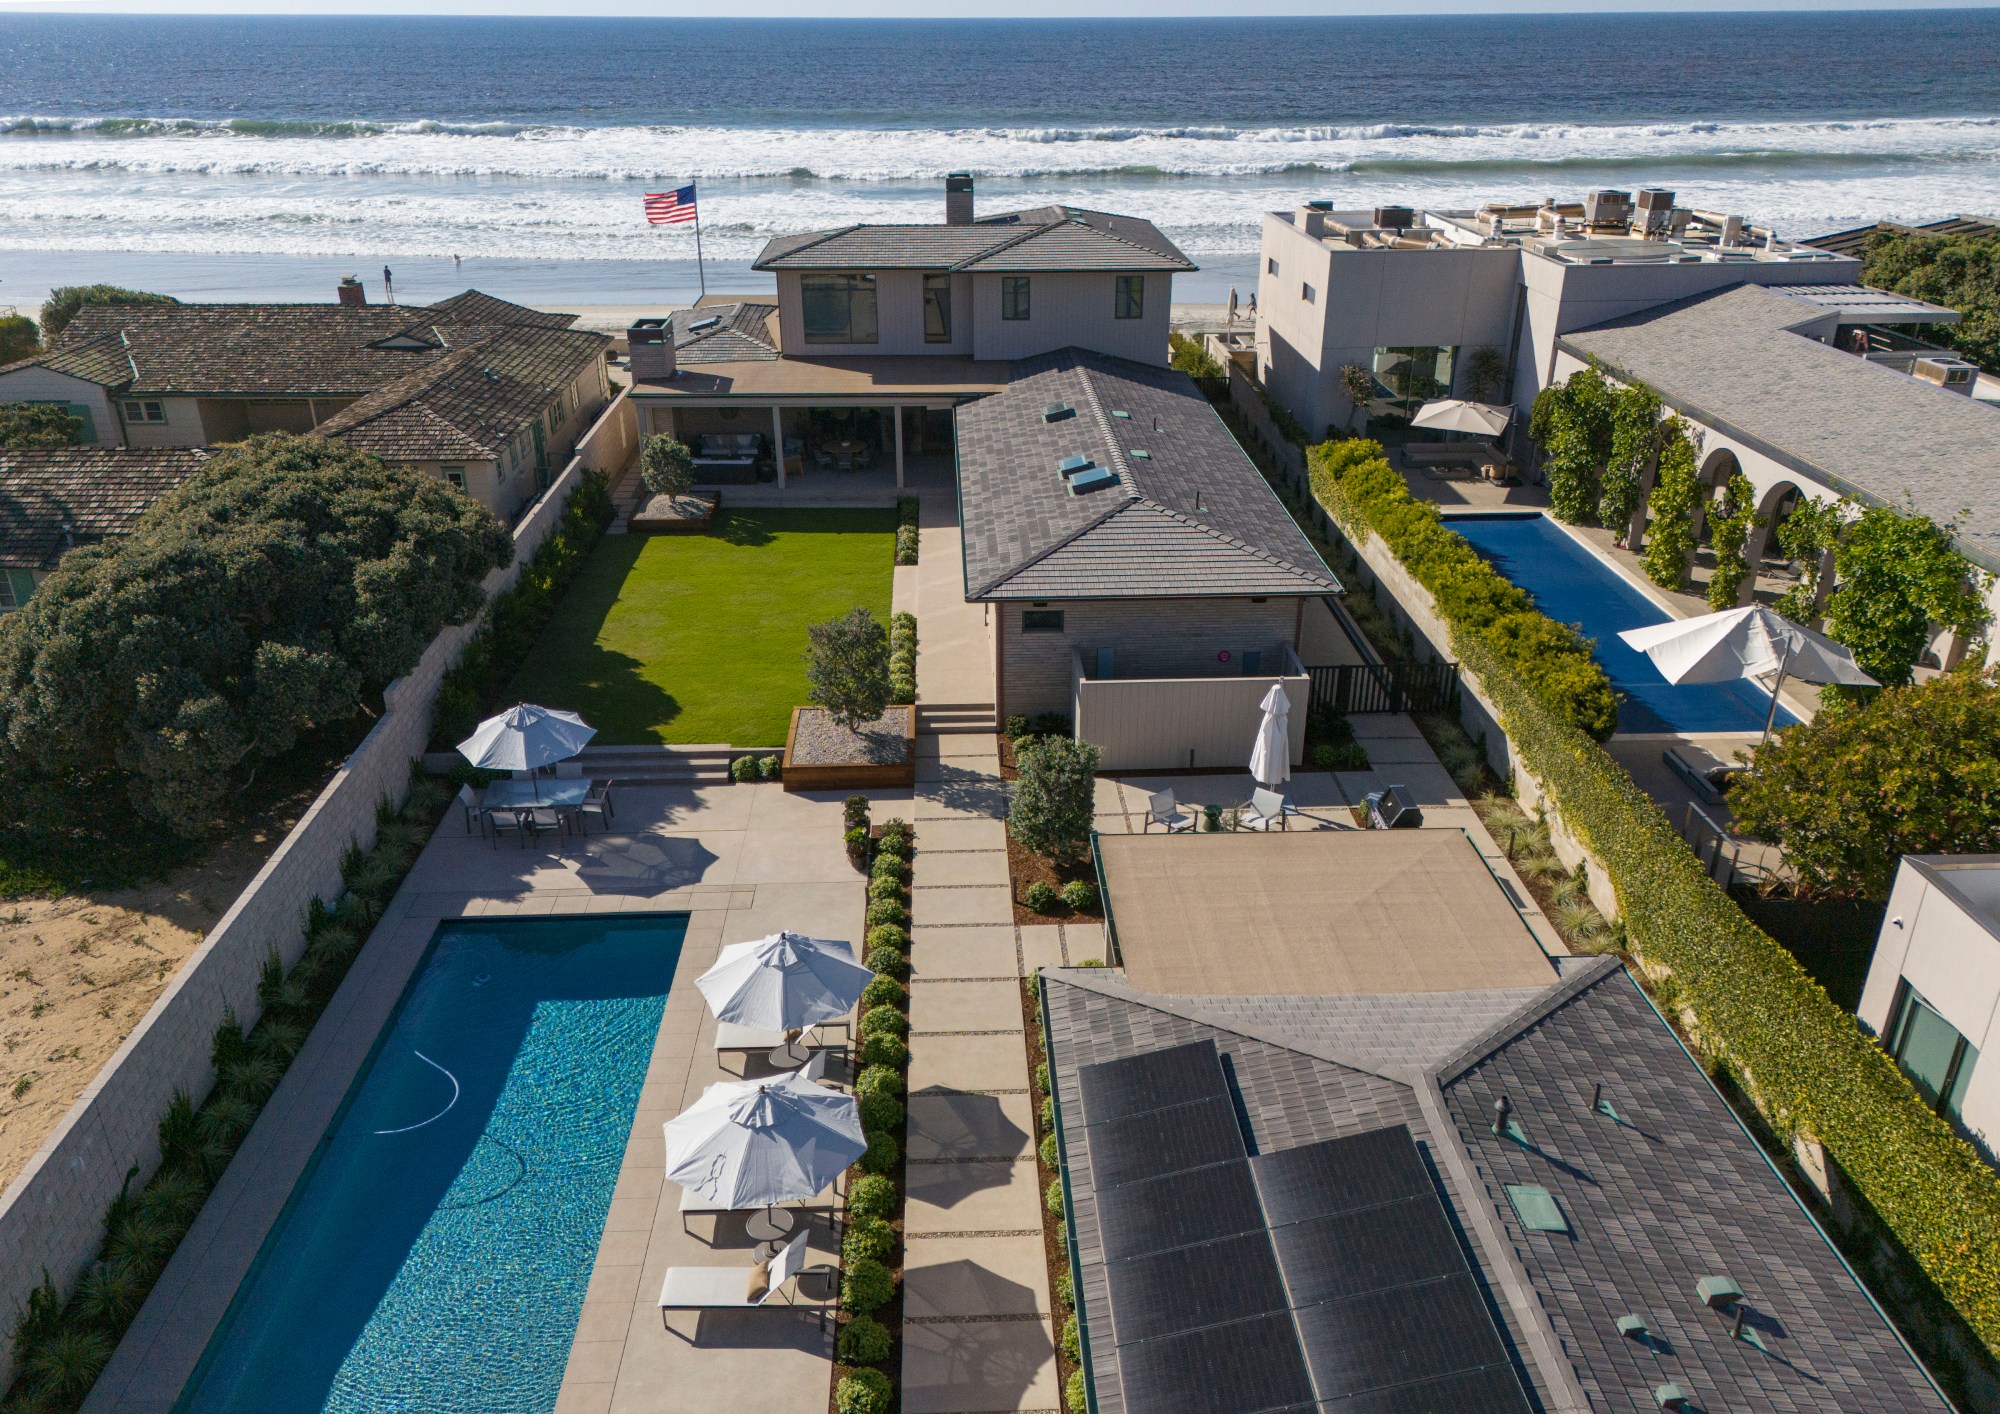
<point x="1960" y="272"/>
<point x="1670" y="534"/>
<point x="18" y="337"/>
<point x="1635" y="441"/>
<point x="1572" y="423"/>
<point x="25" y="425"/>
<point x="1899" y="574"/>
<point x="1915" y="770"/>
<point x="847" y="667"/>
<point x="1050" y="812"/>
<point x="63" y="303"/>
<point x="1730" y="524"/>
<point x="277" y="591"/>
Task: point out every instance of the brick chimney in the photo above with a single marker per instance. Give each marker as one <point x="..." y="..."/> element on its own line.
<point x="958" y="199"/>
<point x="351" y="291"/>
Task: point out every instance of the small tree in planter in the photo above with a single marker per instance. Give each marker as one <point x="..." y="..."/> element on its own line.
<point x="666" y="466"/>
<point x="847" y="668"/>
<point x="1359" y="385"/>
<point x="1055" y="796"/>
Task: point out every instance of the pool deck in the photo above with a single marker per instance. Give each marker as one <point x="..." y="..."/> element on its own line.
<point x="742" y="861"/>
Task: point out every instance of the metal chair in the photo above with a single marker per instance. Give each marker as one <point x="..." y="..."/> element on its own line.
<point x="543" y="818"/>
<point x="504" y="821"/>
<point x="597" y="801"/>
<point x="1267" y="810"/>
<point x="1163" y="809"/>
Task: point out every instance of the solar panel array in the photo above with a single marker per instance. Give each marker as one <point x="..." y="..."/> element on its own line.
<point x="1322" y="1278"/>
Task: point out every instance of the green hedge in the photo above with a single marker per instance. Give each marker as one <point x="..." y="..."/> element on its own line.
<point x="1752" y="1007"/>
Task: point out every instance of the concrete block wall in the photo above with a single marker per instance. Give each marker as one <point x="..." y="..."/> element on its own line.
<point x="52" y="1215"/>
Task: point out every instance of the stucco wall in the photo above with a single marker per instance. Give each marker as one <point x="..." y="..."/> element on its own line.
<point x="1164" y="724"/>
<point x="899" y="317"/>
<point x="1150" y="637"/>
<point x="1066" y="309"/>
<point x="52" y="1215"/>
<point x="40" y="385"/>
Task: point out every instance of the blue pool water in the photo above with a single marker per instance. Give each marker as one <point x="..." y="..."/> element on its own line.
<point x="1573" y="586"/>
<point x="435" y="1255"/>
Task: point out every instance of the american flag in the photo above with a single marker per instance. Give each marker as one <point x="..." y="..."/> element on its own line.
<point x="665" y="208"/>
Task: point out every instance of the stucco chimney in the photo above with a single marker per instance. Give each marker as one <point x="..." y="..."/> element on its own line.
<point x="351" y="291"/>
<point x="958" y="199"/>
<point x="650" y="348"/>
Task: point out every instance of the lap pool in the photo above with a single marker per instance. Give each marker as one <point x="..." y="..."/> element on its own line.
<point x="1573" y="586"/>
<point x="434" y="1257"/>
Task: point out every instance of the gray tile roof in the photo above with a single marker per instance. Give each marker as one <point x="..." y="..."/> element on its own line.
<point x="54" y="499"/>
<point x="1676" y="1191"/>
<point x="742" y="333"/>
<point x="1730" y="360"/>
<point x="1193" y="517"/>
<point x="1855" y="241"/>
<point x="1049" y="238"/>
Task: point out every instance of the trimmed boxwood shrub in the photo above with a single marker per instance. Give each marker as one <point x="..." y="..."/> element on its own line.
<point x="1051" y="1153"/>
<point x="889" y="935"/>
<point x="1052" y="1199"/>
<point x="1048" y="1114"/>
<point x="884" y="1021"/>
<point x="871" y="1196"/>
<point x="884" y="1049"/>
<point x="1080" y="894"/>
<point x="769" y="768"/>
<point x="866" y="1391"/>
<point x="880" y="1110"/>
<point x="896" y="836"/>
<point x="869" y="1238"/>
<point x="1065" y="1290"/>
<point x="743" y="770"/>
<point x="1042" y="897"/>
<point x="881" y="887"/>
<point x="888" y="913"/>
<point x="879" y="1080"/>
<point x="868" y="1286"/>
<point x="1076" y="1397"/>
<point x="883" y="991"/>
<point x="888" y="962"/>
<point x="865" y="1341"/>
<point x="884" y="1155"/>
<point x="890" y="865"/>
<point x="1042" y="1077"/>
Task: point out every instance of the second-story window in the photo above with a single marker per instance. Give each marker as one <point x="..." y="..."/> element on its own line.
<point x="937" y="309"/>
<point x="1308" y="294"/>
<point x="839" y="309"/>
<point x="145" y="412"/>
<point x="1270" y="267"/>
<point x="1131" y="300"/>
<point x="1013" y="296"/>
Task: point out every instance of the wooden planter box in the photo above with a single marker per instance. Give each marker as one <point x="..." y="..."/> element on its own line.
<point x="692" y="514"/>
<point x="851" y="775"/>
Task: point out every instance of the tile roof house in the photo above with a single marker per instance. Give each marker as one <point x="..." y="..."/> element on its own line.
<point x="53" y="500"/>
<point x="184" y="375"/>
<point x="1585" y="1255"/>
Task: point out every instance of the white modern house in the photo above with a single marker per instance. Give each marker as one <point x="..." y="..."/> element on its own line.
<point x="1933" y="990"/>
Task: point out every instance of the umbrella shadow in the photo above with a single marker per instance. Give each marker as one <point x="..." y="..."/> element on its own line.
<point x="951" y="1126"/>
<point x="641" y="864"/>
<point x="957" y="1288"/>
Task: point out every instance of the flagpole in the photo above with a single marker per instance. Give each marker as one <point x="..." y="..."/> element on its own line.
<point x="700" y="268"/>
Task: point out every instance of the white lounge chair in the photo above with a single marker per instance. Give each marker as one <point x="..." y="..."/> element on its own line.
<point x="1267" y="810"/>
<point x="701" y="1289"/>
<point x="1163" y="809"/>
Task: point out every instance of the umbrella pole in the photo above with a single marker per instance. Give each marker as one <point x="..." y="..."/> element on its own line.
<point x="1770" y="718"/>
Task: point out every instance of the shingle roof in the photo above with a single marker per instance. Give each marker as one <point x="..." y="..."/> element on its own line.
<point x="273" y="350"/>
<point x="1193" y="517"/>
<point x="1670" y="1190"/>
<point x="741" y="333"/>
<point x="92" y="491"/>
<point x="472" y="402"/>
<point x="1855" y="241"/>
<point x="1049" y="238"/>
<point x="1730" y="360"/>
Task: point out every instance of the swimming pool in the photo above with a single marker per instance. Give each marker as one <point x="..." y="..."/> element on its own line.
<point x="1573" y="586"/>
<point x="435" y="1254"/>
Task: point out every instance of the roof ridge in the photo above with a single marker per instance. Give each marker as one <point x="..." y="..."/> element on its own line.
<point x="818" y="239"/>
<point x="1566" y="990"/>
<point x="1008" y="244"/>
<point x="1039" y="556"/>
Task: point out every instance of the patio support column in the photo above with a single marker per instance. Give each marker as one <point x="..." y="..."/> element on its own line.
<point x="897" y="413"/>
<point x="778" y="441"/>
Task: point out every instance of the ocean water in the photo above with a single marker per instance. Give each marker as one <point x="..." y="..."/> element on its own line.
<point x="246" y="151"/>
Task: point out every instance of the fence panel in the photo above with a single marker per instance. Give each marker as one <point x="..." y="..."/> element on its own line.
<point x="1351" y="688"/>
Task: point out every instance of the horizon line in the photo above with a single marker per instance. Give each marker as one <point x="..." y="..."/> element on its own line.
<point x="919" y="14"/>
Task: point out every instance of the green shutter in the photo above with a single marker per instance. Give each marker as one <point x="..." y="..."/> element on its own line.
<point x="21" y="586"/>
<point x="82" y="413"/>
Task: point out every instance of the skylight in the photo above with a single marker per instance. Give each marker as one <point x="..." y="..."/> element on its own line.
<point x="1071" y="465"/>
<point x="1056" y="412"/>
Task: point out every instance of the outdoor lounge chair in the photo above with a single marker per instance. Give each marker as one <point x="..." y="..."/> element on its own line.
<point x="701" y="1289"/>
<point x="748" y="1041"/>
<point x="1266" y="810"/>
<point x="1163" y="809"/>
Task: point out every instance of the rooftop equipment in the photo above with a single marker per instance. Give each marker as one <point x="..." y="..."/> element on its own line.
<point x="1095" y="479"/>
<point x="1633" y="1328"/>
<point x="1395" y="218"/>
<point x="1954" y="375"/>
<point x="1718" y="1293"/>
<point x="1071" y="465"/>
<point x="700" y="324"/>
<point x="1608" y="210"/>
<point x="1056" y="412"/>
<point x="1656" y="213"/>
<point x="1670" y="1396"/>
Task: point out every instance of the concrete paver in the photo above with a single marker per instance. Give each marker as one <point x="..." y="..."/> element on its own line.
<point x="979" y="1365"/>
<point x="1084" y="942"/>
<point x="949" y="1125"/>
<point x="973" y="1197"/>
<point x="974" y="1276"/>
<point x="949" y="869"/>
<point x="982" y="1064"/>
<point x="965" y="1006"/>
<point x="971" y="904"/>
<point x="961" y="952"/>
<point x="1041" y="946"/>
<point x="970" y="833"/>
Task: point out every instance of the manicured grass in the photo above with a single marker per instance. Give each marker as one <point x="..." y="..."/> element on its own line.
<point x="698" y="638"/>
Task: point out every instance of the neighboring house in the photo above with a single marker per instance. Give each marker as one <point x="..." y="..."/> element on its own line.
<point x="1144" y="577"/>
<point x="878" y="332"/>
<point x="1855" y="240"/>
<point x="53" y="500"/>
<point x="190" y="375"/>
<point x="1933" y="989"/>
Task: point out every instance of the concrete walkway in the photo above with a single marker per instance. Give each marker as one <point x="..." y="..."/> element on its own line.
<point x="954" y="638"/>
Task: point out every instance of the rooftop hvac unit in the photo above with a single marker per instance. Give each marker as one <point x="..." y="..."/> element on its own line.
<point x="1395" y="218"/>
<point x="1656" y="212"/>
<point x="1954" y="375"/>
<point x="1608" y="208"/>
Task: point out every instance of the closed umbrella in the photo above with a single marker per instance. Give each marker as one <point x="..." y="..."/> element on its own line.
<point x="526" y="736"/>
<point x="1461" y="415"/>
<point x="1745" y="643"/>
<point x="1271" y="757"/>
<point x="754" y="1143"/>
<point x="785" y="982"/>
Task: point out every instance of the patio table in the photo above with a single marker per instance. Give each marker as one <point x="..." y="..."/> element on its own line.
<point x="551" y="792"/>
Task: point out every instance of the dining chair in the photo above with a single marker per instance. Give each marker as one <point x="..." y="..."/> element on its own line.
<point x="505" y="821"/>
<point x="597" y="801"/>
<point x="569" y="770"/>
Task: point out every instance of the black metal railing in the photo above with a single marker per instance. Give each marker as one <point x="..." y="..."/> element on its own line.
<point x="1352" y="688"/>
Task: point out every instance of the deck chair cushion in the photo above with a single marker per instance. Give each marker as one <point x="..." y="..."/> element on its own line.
<point x="760" y="1284"/>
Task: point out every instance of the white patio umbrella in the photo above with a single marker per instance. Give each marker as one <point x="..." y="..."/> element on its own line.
<point x="1745" y="643"/>
<point x="785" y="982"/>
<point x="1461" y="415"/>
<point x="526" y="736"/>
<point x="1271" y="757"/>
<point x="754" y="1143"/>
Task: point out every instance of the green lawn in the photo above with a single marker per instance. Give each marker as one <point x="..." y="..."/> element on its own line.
<point x="696" y="638"/>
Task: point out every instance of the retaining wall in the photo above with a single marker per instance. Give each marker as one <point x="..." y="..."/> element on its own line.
<point x="52" y="1215"/>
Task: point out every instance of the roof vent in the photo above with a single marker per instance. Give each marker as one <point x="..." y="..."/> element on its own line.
<point x="1633" y="1328"/>
<point x="1056" y="412"/>
<point x="1718" y="1293"/>
<point x="1071" y="465"/>
<point x="1536" y="1208"/>
<point x="1126" y="415"/>
<point x="1141" y="453"/>
<point x="1670" y="1396"/>
<point x="1096" y="479"/>
<point x="701" y="324"/>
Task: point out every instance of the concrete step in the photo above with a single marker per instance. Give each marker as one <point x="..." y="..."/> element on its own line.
<point x="948" y="718"/>
<point x="659" y="765"/>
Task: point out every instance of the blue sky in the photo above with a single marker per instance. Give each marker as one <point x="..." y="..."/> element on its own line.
<point x="949" y="9"/>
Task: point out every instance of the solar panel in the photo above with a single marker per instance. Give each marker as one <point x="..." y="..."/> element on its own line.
<point x="1238" y="1368"/>
<point x="1115" y="1089"/>
<point x="1476" y="1392"/>
<point x="1393" y="1337"/>
<point x="1338" y="1175"/>
<point x="1195" y="1205"/>
<point x="1327" y="1258"/>
<point x="1164" y="1141"/>
<point x="1169" y="1292"/>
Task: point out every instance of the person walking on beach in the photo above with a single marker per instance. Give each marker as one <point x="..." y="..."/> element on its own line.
<point x="454" y="260"/>
<point x="1232" y="304"/>
<point x="388" y="285"/>
<point x="1253" y="306"/>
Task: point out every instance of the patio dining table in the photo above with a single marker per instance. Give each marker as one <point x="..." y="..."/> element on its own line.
<point x="552" y="793"/>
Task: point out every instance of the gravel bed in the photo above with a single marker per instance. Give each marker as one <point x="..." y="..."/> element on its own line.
<point x="821" y="741"/>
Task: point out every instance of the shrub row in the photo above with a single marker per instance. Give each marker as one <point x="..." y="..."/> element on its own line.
<point x="868" y="1250"/>
<point x="61" y="1347"/>
<point x="1078" y="894"/>
<point x="906" y="530"/>
<point x="516" y="619"/>
<point x="1746" y="1001"/>
<point x="745" y="769"/>
<point x="1359" y="488"/>
<point x="903" y="658"/>
<point x="1075" y="1399"/>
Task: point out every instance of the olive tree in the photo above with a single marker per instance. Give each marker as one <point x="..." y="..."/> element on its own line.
<point x="666" y="466"/>
<point x="847" y="667"/>
<point x="1053" y="801"/>
<point x="276" y="592"/>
